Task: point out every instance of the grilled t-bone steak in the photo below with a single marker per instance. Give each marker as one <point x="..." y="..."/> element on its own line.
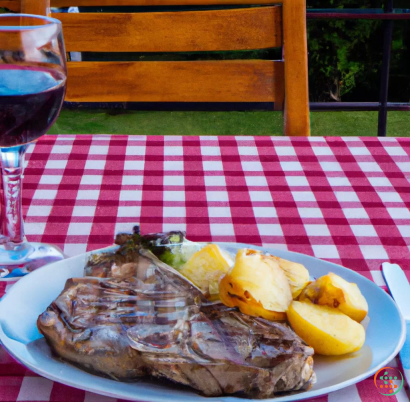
<point x="150" y="321"/>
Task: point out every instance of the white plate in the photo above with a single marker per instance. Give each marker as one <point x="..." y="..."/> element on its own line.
<point x="28" y="298"/>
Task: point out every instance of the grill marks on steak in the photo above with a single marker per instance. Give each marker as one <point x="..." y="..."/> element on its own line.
<point x="102" y="349"/>
<point x="238" y="357"/>
<point x="105" y="326"/>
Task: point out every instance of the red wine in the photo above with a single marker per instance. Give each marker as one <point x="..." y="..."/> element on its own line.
<point x="30" y="101"/>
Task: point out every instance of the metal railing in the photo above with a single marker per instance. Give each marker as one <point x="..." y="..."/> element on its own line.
<point x="388" y="15"/>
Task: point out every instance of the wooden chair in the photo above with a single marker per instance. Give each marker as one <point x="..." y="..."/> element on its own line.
<point x="282" y="82"/>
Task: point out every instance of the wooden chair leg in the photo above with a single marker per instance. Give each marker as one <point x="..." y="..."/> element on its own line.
<point x="38" y="7"/>
<point x="297" y="122"/>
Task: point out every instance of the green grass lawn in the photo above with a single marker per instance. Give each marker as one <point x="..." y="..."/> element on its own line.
<point x="222" y="123"/>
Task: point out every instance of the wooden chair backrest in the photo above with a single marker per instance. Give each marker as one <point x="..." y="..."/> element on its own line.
<point x="282" y="82"/>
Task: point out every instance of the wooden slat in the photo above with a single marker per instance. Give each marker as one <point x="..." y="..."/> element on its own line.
<point x="237" y="29"/>
<point x="15" y="5"/>
<point x="297" y="122"/>
<point x="188" y="81"/>
<point x="12" y="5"/>
<point x="39" y="7"/>
<point x="87" y="3"/>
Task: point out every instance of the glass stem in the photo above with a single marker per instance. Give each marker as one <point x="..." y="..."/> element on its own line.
<point x="3" y="238"/>
<point x="12" y="160"/>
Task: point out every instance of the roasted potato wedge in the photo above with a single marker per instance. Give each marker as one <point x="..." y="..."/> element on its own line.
<point x="229" y="294"/>
<point x="297" y="274"/>
<point x="257" y="286"/>
<point x="206" y="267"/>
<point x="333" y="291"/>
<point x="327" y="330"/>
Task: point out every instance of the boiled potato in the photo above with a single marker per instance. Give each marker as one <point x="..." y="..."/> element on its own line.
<point x="297" y="274"/>
<point x="333" y="291"/>
<point x="257" y="286"/>
<point x="206" y="267"/>
<point x="325" y="329"/>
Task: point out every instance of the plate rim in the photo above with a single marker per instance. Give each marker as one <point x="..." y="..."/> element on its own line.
<point x="159" y="398"/>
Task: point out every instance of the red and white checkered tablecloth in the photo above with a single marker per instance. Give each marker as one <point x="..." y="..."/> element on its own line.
<point x="345" y="200"/>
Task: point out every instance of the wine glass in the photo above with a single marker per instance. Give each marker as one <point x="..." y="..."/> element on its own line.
<point x="32" y="87"/>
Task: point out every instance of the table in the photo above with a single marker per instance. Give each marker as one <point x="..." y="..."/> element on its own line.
<point x="345" y="200"/>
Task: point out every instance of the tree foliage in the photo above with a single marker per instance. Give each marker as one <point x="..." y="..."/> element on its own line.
<point x="345" y="56"/>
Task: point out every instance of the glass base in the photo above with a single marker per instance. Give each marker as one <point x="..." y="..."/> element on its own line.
<point x="17" y="261"/>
